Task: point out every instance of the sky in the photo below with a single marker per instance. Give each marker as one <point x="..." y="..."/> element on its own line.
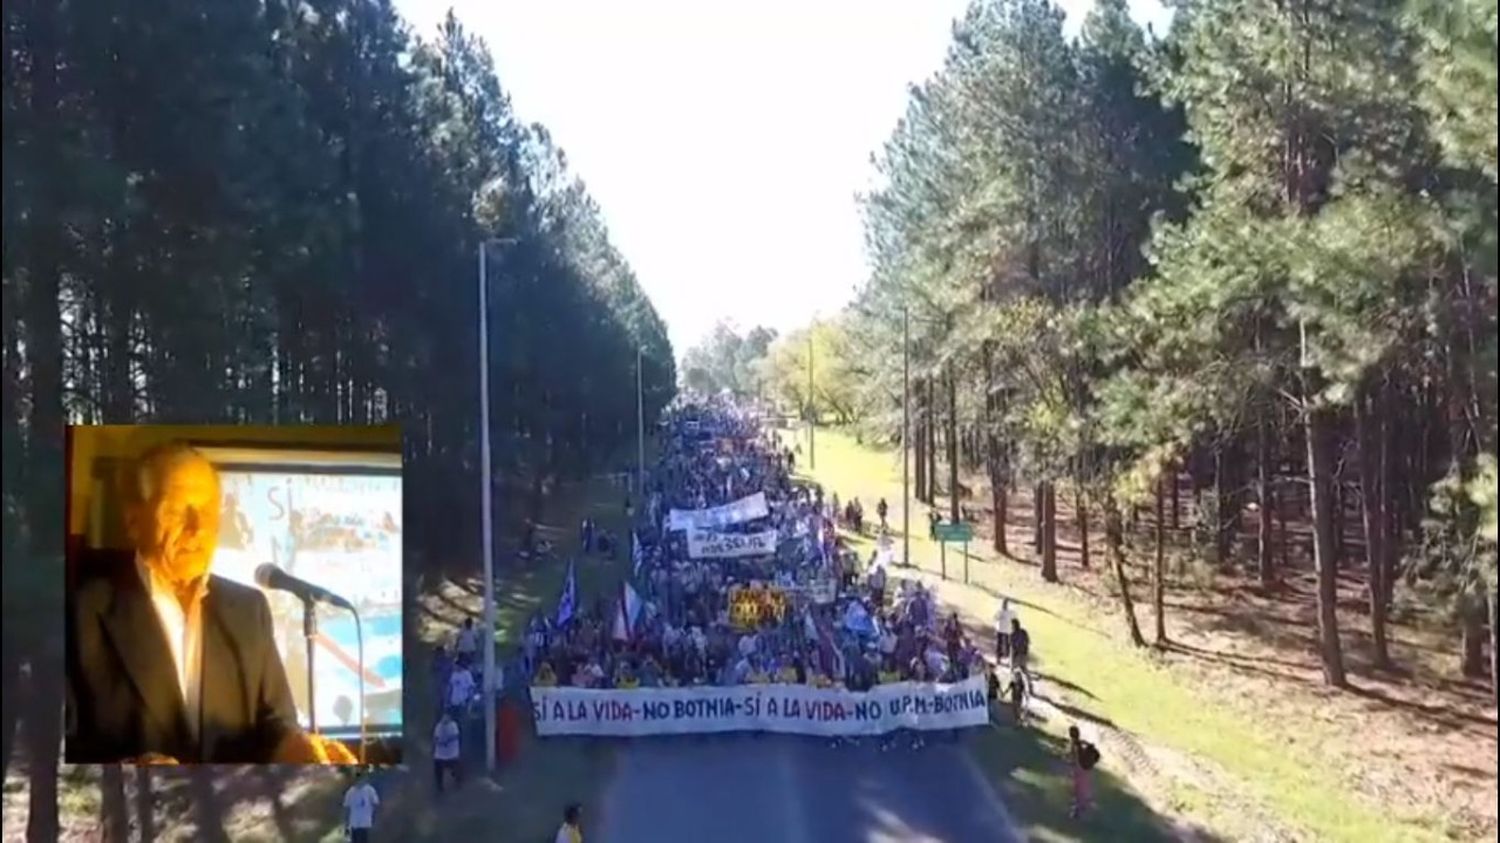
<point x="725" y="142"/>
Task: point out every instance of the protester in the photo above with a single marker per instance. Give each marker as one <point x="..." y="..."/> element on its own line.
<point x="445" y="751"/>
<point x="467" y="645"/>
<point x="1003" y="621"/>
<point x="1016" y="692"/>
<point x="1020" y="648"/>
<point x="360" y="802"/>
<point x="881" y="509"/>
<point x="571" y="830"/>
<point x="1083" y="757"/>
<point x="691" y="621"/>
<point x="461" y="689"/>
<point x="442" y="668"/>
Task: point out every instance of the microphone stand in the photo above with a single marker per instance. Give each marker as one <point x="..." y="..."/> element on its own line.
<point x="310" y="634"/>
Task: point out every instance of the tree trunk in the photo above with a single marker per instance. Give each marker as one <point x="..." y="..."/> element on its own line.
<point x="920" y="450"/>
<point x="1265" y="539"/>
<point x="1114" y="541"/>
<point x="1080" y="502"/>
<point x="145" y="804"/>
<point x="113" y="810"/>
<point x="1372" y="509"/>
<point x="1472" y="641"/>
<point x="1049" y="532"/>
<point x="1159" y="573"/>
<point x="1038" y="518"/>
<point x="1338" y="521"/>
<point x="954" y="502"/>
<point x="45" y="253"/>
<point x="932" y="443"/>
<point x="1176" y="499"/>
<point x="993" y="456"/>
<point x="1389" y="527"/>
<point x="1228" y="516"/>
<point x="1489" y="599"/>
<point x="1319" y="475"/>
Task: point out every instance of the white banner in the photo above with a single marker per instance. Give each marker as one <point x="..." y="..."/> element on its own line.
<point x="703" y="544"/>
<point x="786" y="709"/>
<point x="823" y="590"/>
<point x="742" y="510"/>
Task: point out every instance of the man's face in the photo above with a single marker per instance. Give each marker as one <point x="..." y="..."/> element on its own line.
<point x="179" y="530"/>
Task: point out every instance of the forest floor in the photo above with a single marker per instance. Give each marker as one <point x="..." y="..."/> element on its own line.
<point x="1229" y="727"/>
<point x="219" y="804"/>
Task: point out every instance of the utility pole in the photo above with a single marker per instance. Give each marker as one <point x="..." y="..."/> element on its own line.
<point x="486" y="513"/>
<point x="905" y="438"/>
<point x="812" y="410"/>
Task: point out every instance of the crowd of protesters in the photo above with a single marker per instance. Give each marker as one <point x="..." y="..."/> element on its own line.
<point x="856" y="628"/>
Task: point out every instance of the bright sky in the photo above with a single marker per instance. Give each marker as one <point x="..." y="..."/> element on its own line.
<point x="725" y="142"/>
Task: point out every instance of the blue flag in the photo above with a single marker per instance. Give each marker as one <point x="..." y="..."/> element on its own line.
<point x="569" y="600"/>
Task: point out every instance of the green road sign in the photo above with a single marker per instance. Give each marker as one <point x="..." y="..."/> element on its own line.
<point x="955" y="532"/>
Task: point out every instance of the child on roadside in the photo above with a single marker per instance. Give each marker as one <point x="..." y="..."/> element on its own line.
<point x="1083" y="756"/>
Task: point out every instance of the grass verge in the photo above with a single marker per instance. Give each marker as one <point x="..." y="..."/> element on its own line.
<point x="1233" y="775"/>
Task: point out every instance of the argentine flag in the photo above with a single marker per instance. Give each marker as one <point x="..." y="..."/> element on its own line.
<point x="569" y="600"/>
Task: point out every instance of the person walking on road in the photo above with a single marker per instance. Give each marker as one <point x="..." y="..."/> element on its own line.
<point x="881" y="510"/>
<point x="360" y="802"/>
<point x="571" y="830"/>
<point x="445" y="751"/>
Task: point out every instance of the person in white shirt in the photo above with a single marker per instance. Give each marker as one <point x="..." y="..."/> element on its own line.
<point x="1003" y="620"/>
<point x="460" y="688"/>
<point x="748" y="644"/>
<point x="468" y="642"/>
<point x="445" y="751"/>
<point x="360" y="802"/>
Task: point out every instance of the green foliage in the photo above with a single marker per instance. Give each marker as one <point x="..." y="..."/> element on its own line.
<point x="264" y="212"/>
<point x="725" y="360"/>
<point x="838" y="371"/>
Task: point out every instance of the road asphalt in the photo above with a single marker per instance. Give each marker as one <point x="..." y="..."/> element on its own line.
<point x="795" y="789"/>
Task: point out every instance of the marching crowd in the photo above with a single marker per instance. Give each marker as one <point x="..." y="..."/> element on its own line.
<point x="805" y="611"/>
<point x="859" y="630"/>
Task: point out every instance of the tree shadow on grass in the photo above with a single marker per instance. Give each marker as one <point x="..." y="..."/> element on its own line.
<point x="145" y="804"/>
<point x="1064" y="684"/>
<point x="208" y="813"/>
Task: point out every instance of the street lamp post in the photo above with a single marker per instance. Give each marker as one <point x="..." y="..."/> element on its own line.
<point x="640" y="422"/>
<point x="485" y="501"/>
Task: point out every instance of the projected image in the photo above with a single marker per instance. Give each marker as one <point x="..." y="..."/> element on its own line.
<point x="340" y="529"/>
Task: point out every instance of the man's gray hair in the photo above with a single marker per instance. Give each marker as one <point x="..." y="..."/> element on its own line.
<point x="144" y="479"/>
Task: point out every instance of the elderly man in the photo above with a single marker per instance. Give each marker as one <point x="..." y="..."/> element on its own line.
<point x="167" y="662"/>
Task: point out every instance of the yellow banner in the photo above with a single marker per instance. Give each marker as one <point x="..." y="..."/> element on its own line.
<point x="752" y="605"/>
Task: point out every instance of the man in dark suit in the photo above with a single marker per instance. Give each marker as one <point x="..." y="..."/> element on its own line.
<point x="166" y="661"/>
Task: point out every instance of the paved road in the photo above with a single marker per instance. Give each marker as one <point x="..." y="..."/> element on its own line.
<point x="742" y="789"/>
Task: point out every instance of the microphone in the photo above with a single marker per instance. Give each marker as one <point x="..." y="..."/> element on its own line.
<point x="272" y="578"/>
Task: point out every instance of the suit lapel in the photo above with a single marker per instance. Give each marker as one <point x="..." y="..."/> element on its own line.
<point x="136" y="634"/>
<point x="224" y="698"/>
